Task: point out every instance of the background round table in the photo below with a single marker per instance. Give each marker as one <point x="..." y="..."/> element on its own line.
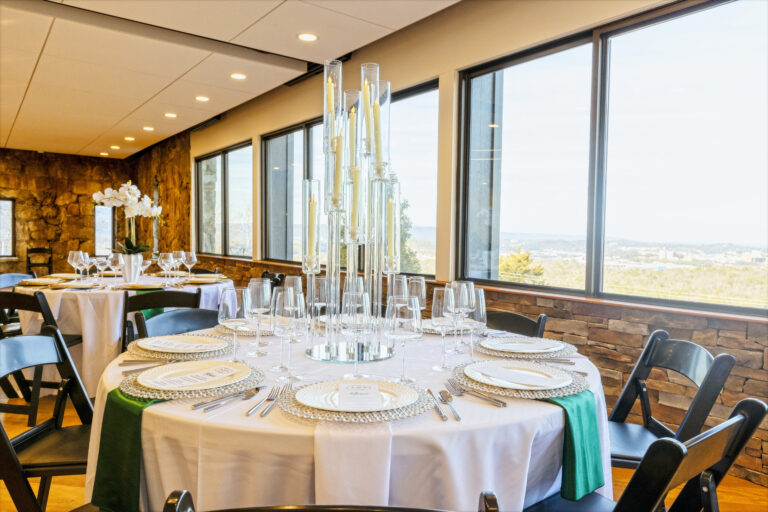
<point x="98" y="316"/>
<point x="228" y="460"/>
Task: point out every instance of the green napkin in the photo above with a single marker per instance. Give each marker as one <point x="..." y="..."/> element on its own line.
<point x="149" y="313"/>
<point x="582" y="461"/>
<point x="118" y="469"/>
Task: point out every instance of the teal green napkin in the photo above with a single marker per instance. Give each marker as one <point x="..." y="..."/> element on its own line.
<point x="116" y="487"/>
<point x="149" y="313"/>
<point x="582" y="461"/>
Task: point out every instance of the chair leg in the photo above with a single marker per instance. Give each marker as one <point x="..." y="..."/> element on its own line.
<point x="708" y="488"/>
<point x="35" y="398"/>
<point x="7" y="388"/>
<point x="42" y="492"/>
<point x="22" y="384"/>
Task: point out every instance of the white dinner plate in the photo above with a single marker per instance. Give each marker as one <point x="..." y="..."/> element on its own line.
<point x="325" y="396"/>
<point x="181" y="344"/>
<point x="521" y="375"/>
<point x="63" y="276"/>
<point x="75" y="284"/>
<point x="193" y="375"/>
<point x="522" y="345"/>
<point x="39" y="281"/>
<point x="138" y="286"/>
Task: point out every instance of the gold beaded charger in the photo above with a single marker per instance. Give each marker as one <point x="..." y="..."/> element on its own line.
<point x="136" y="350"/>
<point x="565" y="351"/>
<point x="578" y="383"/>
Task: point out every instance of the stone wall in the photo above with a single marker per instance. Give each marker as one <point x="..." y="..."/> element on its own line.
<point x="166" y="165"/>
<point x="612" y="336"/>
<point x="54" y="207"/>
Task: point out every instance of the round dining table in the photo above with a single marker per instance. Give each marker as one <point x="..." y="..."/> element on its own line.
<point x="227" y="459"/>
<point x="97" y="315"/>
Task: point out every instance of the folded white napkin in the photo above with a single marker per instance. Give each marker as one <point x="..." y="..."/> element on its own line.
<point x="352" y="464"/>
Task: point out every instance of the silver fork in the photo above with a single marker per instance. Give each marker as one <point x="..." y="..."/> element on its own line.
<point x="456" y="388"/>
<point x="268" y="408"/>
<point x="273" y="394"/>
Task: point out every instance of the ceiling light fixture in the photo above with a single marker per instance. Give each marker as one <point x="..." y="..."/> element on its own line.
<point x="114" y="147"/>
<point x="237" y="76"/>
<point x="307" y="37"/>
<point x="130" y="139"/>
<point x="103" y="153"/>
<point x="170" y="115"/>
<point x="149" y="129"/>
<point x="493" y="126"/>
<point x="202" y="98"/>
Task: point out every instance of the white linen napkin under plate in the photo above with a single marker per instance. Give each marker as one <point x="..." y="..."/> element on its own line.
<point x="364" y="451"/>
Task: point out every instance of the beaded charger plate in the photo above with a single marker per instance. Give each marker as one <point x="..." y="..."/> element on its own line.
<point x="565" y="351"/>
<point x="244" y="330"/>
<point x="288" y="403"/>
<point x="578" y="384"/>
<point x="137" y="351"/>
<point x="130" y="386"/>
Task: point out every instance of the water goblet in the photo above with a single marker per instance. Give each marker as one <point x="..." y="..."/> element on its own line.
<point x="178" y="258"/>
<point x="72" y="259"/>
<point x="232" y="315"/>
<point x="101" y="266"/>
<point x="85" y="264"/>
<point x="464" y="302"/>
<point x="115" y="261"/>
<point x="443" y="318"/>
<point x="260" y="291"/>
<point x="145" y="264"/>
<point x="165" y="262"/>
<point x="402" y="322"/>
<point x="397" y="285"/>
<point x="356" y="321"/>
<point x="190" y="259"/>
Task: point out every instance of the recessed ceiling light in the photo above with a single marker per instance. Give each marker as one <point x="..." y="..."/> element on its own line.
<point x="202" y="98"/>
<point x="130" y="139"/>
<point x="170" y="115"/>
<point x="307" y="37"/>
<point x="149" y="129"/>
<point x="276" y="168"/>
<point x="237" y="76"/>
<point x="493" y="126"/>
<point x="114" y="147"/>
<point x="104" y="153"/>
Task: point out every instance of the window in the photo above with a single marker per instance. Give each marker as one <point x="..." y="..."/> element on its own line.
<point x="670" y="207"/>
<point x="224" y="202"/>
<point x="104" y="228"/>
<point x="7" y="227"/>
<point x="294" y="153"/>
<point x="528" y="166"/>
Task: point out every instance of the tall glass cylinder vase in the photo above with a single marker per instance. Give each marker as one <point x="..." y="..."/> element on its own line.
<point x="369" y="77"/>
<point x="392" y="234"/>
<point x="332" y="103"/>
<point x="310" y="237"/>
<point x="333" y="270"/>
<point x="380" y="146"/>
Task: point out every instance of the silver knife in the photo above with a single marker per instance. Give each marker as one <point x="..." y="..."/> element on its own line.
<point x="437" y="406"/>
<point x="200" y="405"/>
<point x="247" y="396"/>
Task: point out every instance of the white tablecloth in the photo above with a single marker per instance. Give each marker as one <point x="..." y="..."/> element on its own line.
<point x="226" y="459"/>
<point x="98" y="316"/>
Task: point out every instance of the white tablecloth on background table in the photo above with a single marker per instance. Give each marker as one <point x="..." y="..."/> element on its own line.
<point x="228" y="460"/>
<point x="98" y="316"/>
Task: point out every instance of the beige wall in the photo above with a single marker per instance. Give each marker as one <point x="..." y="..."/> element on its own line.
<point x="466" y="34"/>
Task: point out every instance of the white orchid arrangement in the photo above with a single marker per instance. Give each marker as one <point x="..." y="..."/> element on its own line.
<point x="129" y="197"/>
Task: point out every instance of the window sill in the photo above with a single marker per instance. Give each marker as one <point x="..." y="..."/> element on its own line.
<point x="9" y="259"/>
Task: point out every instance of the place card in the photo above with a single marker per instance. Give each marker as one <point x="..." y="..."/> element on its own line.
<point x="359" y="396"/>
<point x="193" y="379"/>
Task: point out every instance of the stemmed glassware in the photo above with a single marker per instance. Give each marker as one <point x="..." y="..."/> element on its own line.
<point x="178" y="258"/>
<point x="356" y="321"/>
<point x="284" y="312"/>
<point x="232" y="314"/>
<point x="145" y="264"/>
<point x="464" y="302"/>
<point x="115" y="261"/>
<point x="165" y="262"/>
<point x="260" y="292"/>
<point x="401" y="323"/>
<point x="443" y="318"/>
<point x="397" y="285"/>
<point x="101" y="266"/>
<point x="477" y="320"/>
<point x="190" y="258"/>
<point x="417" y="287"/>
<point x="294" y="283"/>
<point x="85" y="264"/>
<point x="72" y="259"/>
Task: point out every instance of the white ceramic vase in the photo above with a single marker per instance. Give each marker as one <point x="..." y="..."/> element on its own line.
<point x="132" y="267"/>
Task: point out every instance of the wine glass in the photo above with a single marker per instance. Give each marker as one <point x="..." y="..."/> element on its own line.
<point x="397" y="285"/>
<point x="356" y="321"/>
<point x="165" y="262"/>
<point x="464" y="302"/>
<point x="301" y="319"/>
<point x="145" y="264"/>
<point x="101" y="266"/>
<point x="231" y="314"/>
<point x="72" y="259"/>
<point x="443" y="318"/>
<point x="402" y="322"/>
<point x="417" y="287"/>
<point x="260" y="291"/>
<point x="284" y="314"/>
<point x="85" y="264"/>
<point x="478" y="319"/>
<point x="115" y="261"/>
<point x="293" y="282"/>
<point x="178" y="258"/>
<point x="190" y="258"/>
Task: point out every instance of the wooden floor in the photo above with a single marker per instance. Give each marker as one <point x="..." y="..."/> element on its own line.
<point x="736" y="495"/>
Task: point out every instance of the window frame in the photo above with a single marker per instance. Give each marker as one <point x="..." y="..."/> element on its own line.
<point x="114" y="228"/>
<point x="596" y="200"/>
<point x="221" y="153"/>
<point x="13" y="253"/>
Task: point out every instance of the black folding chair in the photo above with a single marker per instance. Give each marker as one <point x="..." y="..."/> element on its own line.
<point x="177" y="321"/>
<point x="48" y="449"/>
<point x="9" y="322"/>
<point x="702" y="462"/>
<point x="47" y="262"/>
<point x="205" y="271"/>
<point x="181" y="501"/>
<point x="30" y="389"/>
<point x="517" y="323"/>
<point x="630" y="441"/>
<point x="155" y="300"/>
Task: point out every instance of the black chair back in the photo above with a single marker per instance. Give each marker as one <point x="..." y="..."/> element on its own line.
<point x="154" y="300"/>
<point x="8" y="280"/>
<point x="669" y="463"/>
<point x="24" y="302"/>
<point x="46" y="263"/>
<point x="517" y="323"/>
<point x="17" y="353"/>
<point x="695" y="362"/>
<point x="277" y="279"/>
<point x="177" y="321"/>
<point x="205" y="271"/>
<point x="181" y="501"/>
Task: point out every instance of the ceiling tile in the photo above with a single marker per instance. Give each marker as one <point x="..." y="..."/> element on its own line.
<point x="216" y="71"/>
<point x="184" y="92"/>
<point x="20" y="30"/>
<point x="337" y="33"/>
<point x="222" y="19"/>
<point x="393" y="14"/>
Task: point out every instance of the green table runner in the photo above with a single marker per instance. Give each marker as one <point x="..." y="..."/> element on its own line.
<point x="582" y="461"/>
<point x="116" y="486"/>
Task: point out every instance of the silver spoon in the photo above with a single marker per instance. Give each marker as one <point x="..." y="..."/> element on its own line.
<point x="446" y="398"/>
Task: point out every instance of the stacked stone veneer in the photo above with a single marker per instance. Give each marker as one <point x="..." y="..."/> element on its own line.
<point x="612" y="336"/>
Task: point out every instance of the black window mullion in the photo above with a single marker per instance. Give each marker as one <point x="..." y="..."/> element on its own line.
<point x="224" y="198"/>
